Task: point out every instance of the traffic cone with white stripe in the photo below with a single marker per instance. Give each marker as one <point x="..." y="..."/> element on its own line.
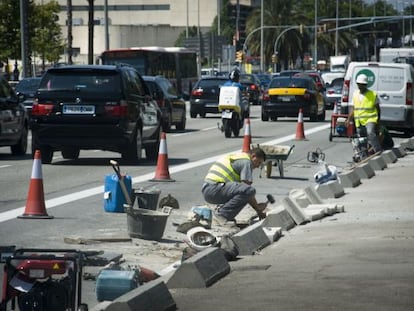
<point x="162" y="173"/>
<point x="300" y="131"/>
<point x="247" y="140"/>
<point x="35" y="204"/>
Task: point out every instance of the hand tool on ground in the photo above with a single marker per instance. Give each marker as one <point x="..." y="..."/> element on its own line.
<point x="124" y="189"/>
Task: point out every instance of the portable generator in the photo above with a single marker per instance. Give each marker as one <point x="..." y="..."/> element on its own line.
<point x="42" y="280"/>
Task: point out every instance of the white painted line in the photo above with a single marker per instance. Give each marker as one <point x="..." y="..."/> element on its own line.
<point x="139" y="179"/>
<point x="4" y="166"/>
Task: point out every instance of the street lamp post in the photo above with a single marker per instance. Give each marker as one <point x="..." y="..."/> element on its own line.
<point x="316" y="34"/>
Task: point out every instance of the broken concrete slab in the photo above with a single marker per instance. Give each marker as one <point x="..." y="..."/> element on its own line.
<point x="251" y="239"/>
<point x="152" y="296"/>
<point x="279" y="217"/>
<point x="349" y="179"/>
<point x="408" y="144"/>
<point x="330" y="189"/>
<point x="295" y="211"/>
<point x="201" y="270"/>
<point x="365" y="171"/>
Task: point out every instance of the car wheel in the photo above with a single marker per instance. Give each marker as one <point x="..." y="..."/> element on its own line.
<point x="202" y="114"/>
<point x="273" y="118"/>
<point x="322" y="116"/>
<point x="133" y="152"/>
<point x="265" y="116"/>
<point x="166" y="124"/>
<point x="181" y="125"/>
<point x="21" y="147"/>
<point x="313" y="114"/>
<point x="151" y="150"/>
<point x="70" y="153"/>
<point x="193" y="114"/>
<point x="46" y="154"/>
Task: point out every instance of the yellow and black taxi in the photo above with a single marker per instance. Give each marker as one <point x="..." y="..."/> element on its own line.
<point x="286" y="95"/>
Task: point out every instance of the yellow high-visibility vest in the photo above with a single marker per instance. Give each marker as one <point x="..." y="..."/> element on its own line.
<point x="365" y="110"/>
<point x="222" y="171"/>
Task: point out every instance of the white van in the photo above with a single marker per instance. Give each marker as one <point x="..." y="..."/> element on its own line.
<point x="393" y="84"/>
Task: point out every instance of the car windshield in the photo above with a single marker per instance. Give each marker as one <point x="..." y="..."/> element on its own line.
<point x="288" y="83"/>
<point x="86" y="81"/>
<point x="211" y="82"/>
<point x="167" y="87"/>
<point x="28" y="85"/>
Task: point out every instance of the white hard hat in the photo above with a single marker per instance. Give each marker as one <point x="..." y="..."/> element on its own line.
<point x="362" y="79"/>
<point x="199" y="238"/>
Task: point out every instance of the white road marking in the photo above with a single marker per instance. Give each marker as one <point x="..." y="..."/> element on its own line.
<point x="5" y="216"/>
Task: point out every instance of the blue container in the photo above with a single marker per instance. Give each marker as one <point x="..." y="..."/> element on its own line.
<point x="112" y="284"/>
<point x="114" y="199"/>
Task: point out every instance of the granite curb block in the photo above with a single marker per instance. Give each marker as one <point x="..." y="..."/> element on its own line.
<point x="200" y="270"/>
<point x="408" y="144"/>
<point x="251" y="239"/>
<point x="365" y="171"/>
<point x="399" y="151"/>
<point x="152" y="296"/>
<point x="389" y="156"/>
<point x="279" y="217"/>
<point x="377" y="163"/>
<point x="295" y="211"/>
<point x="273" y="233"/>
<point x="349" y="179"/>
<point x="330" y="189"/>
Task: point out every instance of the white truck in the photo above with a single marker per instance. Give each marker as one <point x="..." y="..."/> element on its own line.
<point x="339" y="63"/>
<point x="396" y="55"/>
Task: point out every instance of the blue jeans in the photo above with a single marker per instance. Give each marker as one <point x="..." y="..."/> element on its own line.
<point x="232" y="195"/>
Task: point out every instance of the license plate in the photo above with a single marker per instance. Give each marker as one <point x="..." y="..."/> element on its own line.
<point x="78" y="109"/>
<point x="226" y="114"/>
<point x="286" y="98"/>
<point x="211" y="105"/>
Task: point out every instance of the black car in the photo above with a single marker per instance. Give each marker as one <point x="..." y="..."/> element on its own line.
<point x="172" y="107"/>
<point x="14" y="122"/>
<point x="205" y="96"/>
<point x="28" y="87"/>
<point x="252" y="84"/>
<point x="95" y="107"/>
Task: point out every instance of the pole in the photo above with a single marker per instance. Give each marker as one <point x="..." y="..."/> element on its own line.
<point x="90" y="32"/>
<point x="316" y="35"/>
<point x="186" y="25"/>
<point x="218" y="31"/>
<point x="336" y="31"/>
<point x="70" y="38"/>
<point x="106" y="25"/>
<point x="261" y="37"/>
<point x="23" y="38"/>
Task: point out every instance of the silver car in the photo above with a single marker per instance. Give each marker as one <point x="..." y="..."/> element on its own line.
<point x="333" y="92"/>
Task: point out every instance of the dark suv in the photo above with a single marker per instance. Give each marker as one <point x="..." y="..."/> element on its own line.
<point x="172" y="107"/>
<point x="94" y="107"/>
<point x="13" y="120"/>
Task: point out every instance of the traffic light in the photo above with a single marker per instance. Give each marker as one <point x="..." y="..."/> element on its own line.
<point x="322" y="29"/>
<point x="274" y="58"/>
<point x="301" y="29"/>
<point x="239" y="56"/>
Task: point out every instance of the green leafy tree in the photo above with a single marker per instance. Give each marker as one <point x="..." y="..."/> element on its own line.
<point x="47" y="41"/>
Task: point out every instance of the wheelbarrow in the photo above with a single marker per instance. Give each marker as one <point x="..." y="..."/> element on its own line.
<point x="275" y="155"/>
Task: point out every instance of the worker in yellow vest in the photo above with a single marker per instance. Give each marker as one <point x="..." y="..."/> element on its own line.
<point x="366" y="113"/>
<point x="228" y="184"/>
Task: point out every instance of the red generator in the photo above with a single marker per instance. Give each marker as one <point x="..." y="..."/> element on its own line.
<point x="42" y="280"/>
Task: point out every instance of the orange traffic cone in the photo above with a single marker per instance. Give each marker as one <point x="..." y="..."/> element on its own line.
<point x="350" y="129"/>
<point x="300" y="132"/>
<point x="35" y="204"/>
<point x="162" y="173"/>
<point x="247" y="140"/>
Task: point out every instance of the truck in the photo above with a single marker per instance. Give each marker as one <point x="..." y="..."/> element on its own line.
<point x="339" y="63"/>
<point x="396" y="55"/>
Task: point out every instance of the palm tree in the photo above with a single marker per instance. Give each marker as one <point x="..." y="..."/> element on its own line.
<point x="281" y="14"/>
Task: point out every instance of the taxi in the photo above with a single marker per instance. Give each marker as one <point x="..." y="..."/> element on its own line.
<point x="287" y="95"/>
